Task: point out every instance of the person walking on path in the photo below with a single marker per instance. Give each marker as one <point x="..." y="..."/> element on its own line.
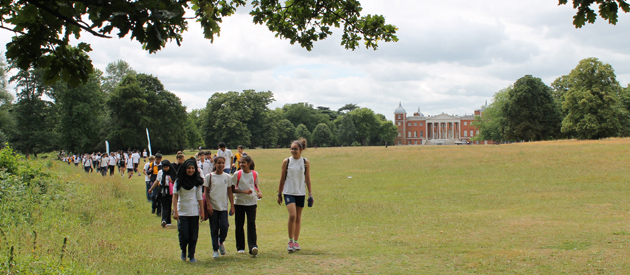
<point x="217" y="193"/>
<point x="245" y="187"/>
<point x="295" y="179"/>
<point x="187" y="208"/>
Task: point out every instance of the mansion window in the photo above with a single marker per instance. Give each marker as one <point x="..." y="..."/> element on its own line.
<point x="398" y="116"/>
<point x="421" y="134"/>
<point x="415" y="134"/>
<point x="399" y="134"/>
<point x="399" y="123"/>
<point x="415" y="124"/>
<point x="420" y="123"/>
<point x="465" y="123"/>
<point x="465" y="133"/>
<point x="409" y="134"/>
<point x="409" y="124"/>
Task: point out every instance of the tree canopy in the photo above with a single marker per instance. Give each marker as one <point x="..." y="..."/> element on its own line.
<point x="530" y="111"/>
<point x="44" y="30"/>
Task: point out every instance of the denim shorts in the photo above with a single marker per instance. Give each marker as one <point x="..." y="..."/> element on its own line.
<point x="298" y="200"/>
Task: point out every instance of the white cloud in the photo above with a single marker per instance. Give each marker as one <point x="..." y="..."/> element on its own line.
<point x="452" y="56"/>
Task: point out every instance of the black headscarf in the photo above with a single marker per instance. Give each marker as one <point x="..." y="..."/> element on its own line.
<point x="171" y="172"/>
<point x="186" y="181"/>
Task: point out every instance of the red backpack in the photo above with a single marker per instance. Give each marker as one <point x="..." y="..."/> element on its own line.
<point x="238" y="179"/>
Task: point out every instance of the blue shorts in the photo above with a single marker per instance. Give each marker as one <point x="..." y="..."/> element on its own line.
<point x="298" y="200"/>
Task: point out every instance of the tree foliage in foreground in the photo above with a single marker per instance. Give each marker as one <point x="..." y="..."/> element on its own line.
<point x="45" y="30"/>
<point x="607" y="9"/>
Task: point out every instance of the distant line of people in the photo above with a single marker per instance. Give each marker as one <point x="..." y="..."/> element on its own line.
<point x="212" y="187"/>
<point x="104" y="162"/>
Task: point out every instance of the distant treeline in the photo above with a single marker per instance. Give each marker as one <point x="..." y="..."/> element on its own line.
<point x="120" y="104"/>
<point x="588" y="103"/>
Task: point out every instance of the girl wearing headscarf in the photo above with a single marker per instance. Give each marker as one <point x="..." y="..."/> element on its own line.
<point x="187" y="208"/>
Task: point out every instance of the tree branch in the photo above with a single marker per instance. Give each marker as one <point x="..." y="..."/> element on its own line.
<point x="65" y="18"/>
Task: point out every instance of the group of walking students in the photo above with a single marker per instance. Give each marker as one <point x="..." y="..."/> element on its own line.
<point x="208" y="187"/>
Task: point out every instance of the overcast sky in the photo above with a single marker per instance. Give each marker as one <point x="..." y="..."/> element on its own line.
<point x="452" y="56"/>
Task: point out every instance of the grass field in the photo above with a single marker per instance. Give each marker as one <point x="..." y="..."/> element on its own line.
<point x="531" y="208"/>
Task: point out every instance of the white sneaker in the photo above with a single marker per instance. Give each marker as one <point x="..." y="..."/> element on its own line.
<point x="255" y="251"/>
<point x="241" y="252"/>
<point x="222" y="249"/>
<point x="290" y="247"/>
<point x="215" y="254"/>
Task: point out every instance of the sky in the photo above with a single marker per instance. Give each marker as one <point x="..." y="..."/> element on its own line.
<point x="451" y="57"/>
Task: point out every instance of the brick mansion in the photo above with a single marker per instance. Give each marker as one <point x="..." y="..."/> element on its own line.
<point x="440" y="129"/>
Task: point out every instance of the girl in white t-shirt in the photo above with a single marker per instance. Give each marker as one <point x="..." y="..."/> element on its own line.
<point x="112" y="163"/>
<point x="245" y="187"/>
<point x="129" y="165"/>
<point x="187" y="207"/>
<point x="103" y="163"/>
<point x="294" y="180"/>
<point x="217" y="193"/>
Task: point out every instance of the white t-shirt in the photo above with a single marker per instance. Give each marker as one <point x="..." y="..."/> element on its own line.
<point x="144" y="154"/>
<point x="218" y="190"/>
<point x="87" y="162"/>
<point x="147" y="172"/>
<point x="295" y="183"/>
<point x="246" y="182"/>
<point x="200" y="168"/>
<point x="188" y="201"/>
<point x="227" y="154"/>
<point x="104" y="161"/>
<point x="207" y="167"/>
<point x="160" y="173"/>
<point x="112" y="161"/>
<point x="129" y="163"/>
<point x="135" y="157"/>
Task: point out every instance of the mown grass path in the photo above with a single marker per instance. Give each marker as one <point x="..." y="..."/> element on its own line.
<point x="531" y="208"/>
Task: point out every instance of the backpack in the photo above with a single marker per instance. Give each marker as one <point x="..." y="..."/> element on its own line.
<point x="286" y="167"/>
<point x="238" y="179"/>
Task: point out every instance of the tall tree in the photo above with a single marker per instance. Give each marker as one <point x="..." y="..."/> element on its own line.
<point x="165" y="116"/>
<point x="322" y="136"/>
<point x="387" y="132"/>
<point x="302" y="131"/>
<point x="193" y="133"/>
<point x="303" y="113"/>
<point x="286" y="133"/>
<point x="348" y="108"/>
<point x="366" y="123"/>
<point x="592" y="102"/>
<point x="115" y="72"/>
<point x="6" y="101"/>
<point x="530" y="111"/>
<point x="260" y="123"/>
<point x="35" y="116"/>
<point x="128" y="106"/>
<point x="80" y="109"/>
<point x="491" y="123"/>
<point x="44" y="28"/>
<point x="346" y="132"/>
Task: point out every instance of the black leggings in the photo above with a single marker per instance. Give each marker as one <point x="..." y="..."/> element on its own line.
<point x="188" y="227"/>
<point x="239" y="220"/>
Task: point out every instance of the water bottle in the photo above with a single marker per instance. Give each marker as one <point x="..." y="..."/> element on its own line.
<point x="310" y="201"/>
